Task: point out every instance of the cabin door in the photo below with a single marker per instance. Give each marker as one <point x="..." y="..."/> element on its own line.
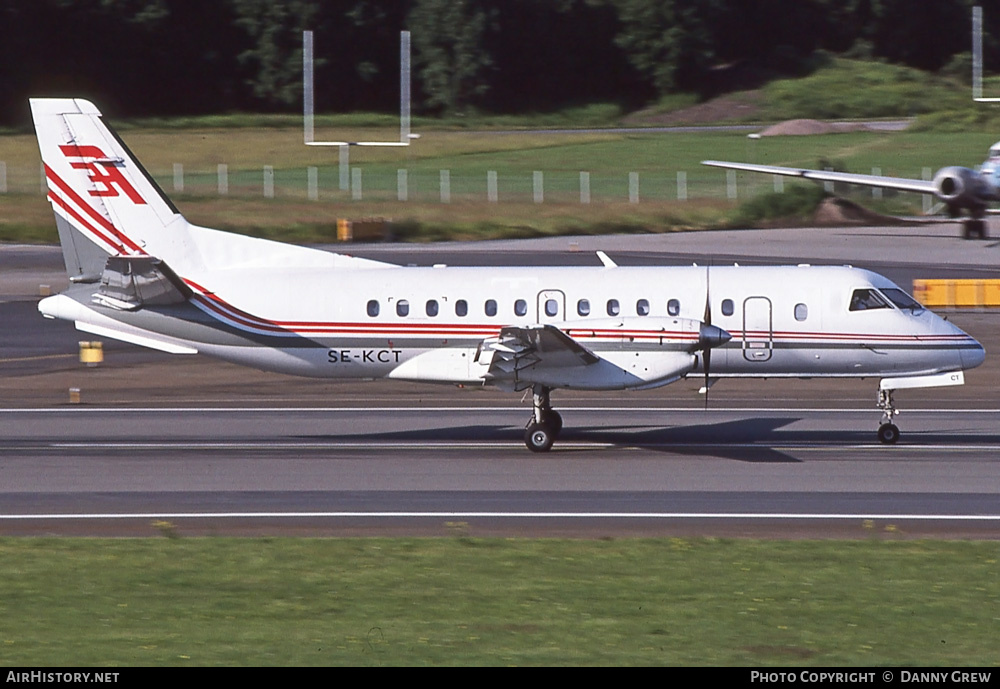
<point x="758" y="332"/>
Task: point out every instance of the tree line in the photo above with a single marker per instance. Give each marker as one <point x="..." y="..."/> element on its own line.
<point x="182" y="57"/>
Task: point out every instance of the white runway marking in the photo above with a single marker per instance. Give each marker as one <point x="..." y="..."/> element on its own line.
<point x="466" y="408"/>
<point x="508" y="515"/>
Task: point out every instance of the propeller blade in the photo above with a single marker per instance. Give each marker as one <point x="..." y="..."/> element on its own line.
<point x="707" y="320"/>
<point x="708" y="365"/>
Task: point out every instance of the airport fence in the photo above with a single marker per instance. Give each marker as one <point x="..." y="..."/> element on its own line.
<point x="421" y="185"/>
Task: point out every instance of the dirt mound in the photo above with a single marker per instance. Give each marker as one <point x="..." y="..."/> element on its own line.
<point x="807" y="127"/>
<point x="837" y="212"/>
<point x="735" y="106"/>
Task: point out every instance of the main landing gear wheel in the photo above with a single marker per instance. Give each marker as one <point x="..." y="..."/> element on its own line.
<point x="974" y="228"/>
<point x="539" y="437"/>
<point x="545" y="423"/>
<point x="888" y="434"/>
<point x="553" y="420"/>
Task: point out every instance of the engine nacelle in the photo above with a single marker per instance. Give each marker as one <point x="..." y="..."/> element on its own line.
<point x="961" y="187"/>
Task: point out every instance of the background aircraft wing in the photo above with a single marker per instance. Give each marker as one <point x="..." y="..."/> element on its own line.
<point x="902" y="184"/>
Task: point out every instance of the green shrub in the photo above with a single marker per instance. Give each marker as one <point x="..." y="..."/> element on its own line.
<point x="798" y="202"/>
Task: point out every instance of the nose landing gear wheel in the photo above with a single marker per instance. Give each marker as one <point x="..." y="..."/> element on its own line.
<point x="888" y="434"/>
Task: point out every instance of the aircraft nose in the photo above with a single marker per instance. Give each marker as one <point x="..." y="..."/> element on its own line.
<point x="973" y="356"/>
<point x="711" y="336"/>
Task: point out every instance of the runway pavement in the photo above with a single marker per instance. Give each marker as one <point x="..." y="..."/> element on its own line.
<point x="213" y="448"/>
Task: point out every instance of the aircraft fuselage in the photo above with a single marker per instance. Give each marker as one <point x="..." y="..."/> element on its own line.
<point x="429" y="324"/>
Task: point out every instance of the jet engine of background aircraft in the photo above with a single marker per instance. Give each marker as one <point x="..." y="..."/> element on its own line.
<point x="961" y="188"/>
<point x="965" y="192"/>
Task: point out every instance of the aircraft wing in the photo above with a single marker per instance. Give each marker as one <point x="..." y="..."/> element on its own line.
<point x="518" y="347"/>
<point x="902" y="184"/>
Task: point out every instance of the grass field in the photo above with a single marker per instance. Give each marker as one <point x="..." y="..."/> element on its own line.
<point x="608" y="158"/>
<point x="464" y="601"/>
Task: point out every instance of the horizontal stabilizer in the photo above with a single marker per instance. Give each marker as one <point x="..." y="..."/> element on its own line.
<point x="136" y="339"/>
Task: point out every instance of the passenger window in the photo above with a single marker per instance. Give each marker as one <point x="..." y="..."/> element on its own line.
<point x="673" y="307"/>
<point x="801" y="312"/>
<point x="491" y="307"/>
<point x="583" y="307"/>
<point x="402" y="308"/>
<point x="432" y="307"/>
<point x="642" y="307"/>
<point x="551" y="308"/>
<point x="613" y="307"/>
<point x="727" y="307"/>
<point x="520" y="307"/>
<point x="867" y="299"/>
<point x="461" y="308"/>
<point x="373" y="308"/>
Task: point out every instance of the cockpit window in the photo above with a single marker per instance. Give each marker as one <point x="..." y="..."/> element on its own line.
<point x="901" y="299"/>
<point x="867" y="299"/>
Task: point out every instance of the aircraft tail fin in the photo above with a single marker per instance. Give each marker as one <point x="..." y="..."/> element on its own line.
<point x="105" y="203"/>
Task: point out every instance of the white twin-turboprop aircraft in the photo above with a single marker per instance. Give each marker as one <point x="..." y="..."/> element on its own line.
<point x="141" y="273"/>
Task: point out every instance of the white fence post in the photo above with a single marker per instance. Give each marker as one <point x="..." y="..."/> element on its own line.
<point x="682" y="186"/>
<point x="3" y="177"/>
<point x="222" y="170"/>
<point x="828" y="186"/>
<point x="345" y="164"/>
<point x="355" y="184"/>
<point x="731" y="185"/>
<point x="584" y="187"/>
<point x="877" y="191"/>
<point x="927" y="175"/>
<point x="178" y="177"/>
<point x="538" y="188"/>
<point x="779" y="183"/>
<point x="445" y="186"/>
<point x="268" y="182"/>
<point x="312" y="183"/>
<point x="492" y="194"/>
<point x="402" y="192"/>
<point x="633" y="187"/>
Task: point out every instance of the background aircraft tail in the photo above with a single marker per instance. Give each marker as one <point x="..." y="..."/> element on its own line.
<point x="105" y="203"/>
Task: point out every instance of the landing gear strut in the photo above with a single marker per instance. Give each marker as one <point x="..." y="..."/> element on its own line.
<point x="888" y="432"/>
<point x="974" y="228"/>
<point x="545" y="422"/>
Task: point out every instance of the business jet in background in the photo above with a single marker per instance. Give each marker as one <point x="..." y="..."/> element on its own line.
<point x="141" y="273"/>
<point x="964" y="192"/>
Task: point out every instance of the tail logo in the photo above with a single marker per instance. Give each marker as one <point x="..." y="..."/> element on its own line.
<point x="102" y="171"/>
